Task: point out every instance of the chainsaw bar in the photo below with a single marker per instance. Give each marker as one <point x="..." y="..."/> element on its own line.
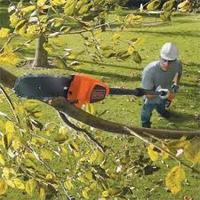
<point x="42" y="86"/>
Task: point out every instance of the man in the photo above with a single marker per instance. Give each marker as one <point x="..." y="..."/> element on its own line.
<point x="164" y="73"/>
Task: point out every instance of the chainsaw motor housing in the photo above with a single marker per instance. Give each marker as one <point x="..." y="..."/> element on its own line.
<point x="85" y="89"/>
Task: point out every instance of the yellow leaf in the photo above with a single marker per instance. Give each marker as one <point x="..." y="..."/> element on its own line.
<point x="8" y="57"/>
<point x="131" y="49"/>
<point x="85" y="192"/>
<point x="57" y="2"/>
<point x="14" y="20"/>
<point x="10" y="183"/>
<point x="42" y="194"/>
<point x="89" y="175"/>
<point x="4" y="32"/>
<point x="192" y="151"/>
<point x="38" y="141"/>
<point x="96" y="157"/>
<point x="94" y="186"/>
<point x="19" y="183"/>
<point x="80" y="3"/>
<point x="2" y="161"/>
<point x="70" y="7"/>
<point x="10" y="127"/>
<point x="50" y="177"/>
<point x="28" y="9"/>
<point x="174" y="179"/>
<point x="3" y="186"/>
<point x="30" y="186"/>
<point x="68" y="184"/>
<point x="32" y="30"/>
<point x="152" y="154"/>
<point x="84" y="9"/>
<point x="8" y="173"/>
<point x="46" y="154"/>
<point x="116" y="37"/>
<point x="41" y="3"/>
<point x="184" y="6"/>
<point x="105" y="193"/>
<point x="153" y="5"/>
<point x="90" y="108"/>
<point x="17" y="144"/>
<point x="168" y="5"/>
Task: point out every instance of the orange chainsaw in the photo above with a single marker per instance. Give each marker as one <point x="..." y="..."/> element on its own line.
<point x="78" y="89"/>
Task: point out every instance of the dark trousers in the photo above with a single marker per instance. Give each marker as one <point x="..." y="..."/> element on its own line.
<point x="147" y="109"/>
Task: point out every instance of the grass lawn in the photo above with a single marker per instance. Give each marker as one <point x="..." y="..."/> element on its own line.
<point x="185" y="32"/>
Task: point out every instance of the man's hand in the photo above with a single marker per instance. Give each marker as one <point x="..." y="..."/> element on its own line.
<point x="174" y="88"/>
<point x="164" y="93"/>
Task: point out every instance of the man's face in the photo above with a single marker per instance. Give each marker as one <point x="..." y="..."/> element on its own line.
<point x="165" y="64"/>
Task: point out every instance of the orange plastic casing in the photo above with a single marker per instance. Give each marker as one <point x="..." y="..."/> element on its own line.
<point x="81" y="88"/>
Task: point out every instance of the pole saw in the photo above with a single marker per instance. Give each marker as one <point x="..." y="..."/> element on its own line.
<point x="78" y="89"/>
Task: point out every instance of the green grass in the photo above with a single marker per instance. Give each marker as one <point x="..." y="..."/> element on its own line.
<point x="185" y="32"/>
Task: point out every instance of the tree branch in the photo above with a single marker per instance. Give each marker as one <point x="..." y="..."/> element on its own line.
<point x="85" y="132"/>
<point x="114" y="127"/>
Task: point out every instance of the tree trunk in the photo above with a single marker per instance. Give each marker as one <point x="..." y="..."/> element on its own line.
<point x="41" y="55"/>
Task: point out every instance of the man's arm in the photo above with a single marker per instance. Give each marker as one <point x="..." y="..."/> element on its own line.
<point x="147" y="83"/>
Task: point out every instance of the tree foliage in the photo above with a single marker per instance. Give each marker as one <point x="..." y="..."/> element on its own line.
<point x="44" y="19"/>
<point x="52" y="159"/>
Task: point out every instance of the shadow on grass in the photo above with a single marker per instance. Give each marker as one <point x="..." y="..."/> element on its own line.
<point x="179" y="120"/>
<point x="118" y="77"/>
<point x="167" y="33"/>
<point x="192" y="67"/>
<point x="189" y="84"/>
<point x="109" y="65"/>
<point x="181" y="116"/>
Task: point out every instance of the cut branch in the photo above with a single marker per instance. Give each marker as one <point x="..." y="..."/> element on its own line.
<point x="113" y="127"/>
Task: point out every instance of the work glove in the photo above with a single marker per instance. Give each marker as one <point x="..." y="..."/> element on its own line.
<point x="174" y="88"/>
<point x="163" y="93"/>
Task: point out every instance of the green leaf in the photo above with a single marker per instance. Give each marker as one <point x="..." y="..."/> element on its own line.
<point x="174" y="179"/>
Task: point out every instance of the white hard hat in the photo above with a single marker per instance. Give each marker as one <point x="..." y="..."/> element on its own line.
<point x="169" y="51"/>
